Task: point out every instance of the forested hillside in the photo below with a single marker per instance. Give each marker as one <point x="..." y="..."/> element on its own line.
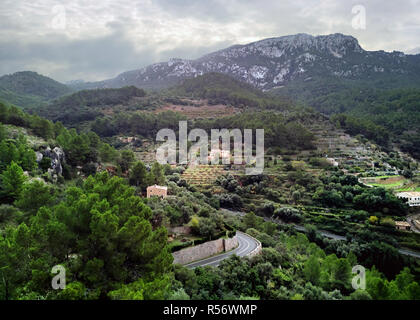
<point x="83" y="105"/>
<point x="381" y="115"/>
<point x="220" y="88"/>
<point x="29" y="89"/>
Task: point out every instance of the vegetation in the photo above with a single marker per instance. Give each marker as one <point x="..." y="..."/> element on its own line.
<point x="92" y="216"/>
<point x="29" y="89"/>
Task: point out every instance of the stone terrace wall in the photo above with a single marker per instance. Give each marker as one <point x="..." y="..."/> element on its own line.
<point x="231" y="243"/>
<point x="204" y="250"/>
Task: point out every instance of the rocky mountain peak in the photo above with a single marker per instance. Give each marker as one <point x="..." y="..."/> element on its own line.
<point x="274" y="62"/>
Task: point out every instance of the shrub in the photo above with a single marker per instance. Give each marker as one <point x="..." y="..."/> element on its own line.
<point x="288" y="214"/>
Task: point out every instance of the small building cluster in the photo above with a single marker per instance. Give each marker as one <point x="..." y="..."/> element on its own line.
<point x="127" y="139"/>
<point x="158" y="191"/>
<point x="412" y="198"/>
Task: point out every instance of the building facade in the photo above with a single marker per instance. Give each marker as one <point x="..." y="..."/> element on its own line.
<point x="402" y="225"/>
<point x="413" y="198"/>
<point x="158" y="191"/>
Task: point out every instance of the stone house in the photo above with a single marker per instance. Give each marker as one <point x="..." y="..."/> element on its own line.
<point x="402" y="225"/>
<point x="158" y="191"/>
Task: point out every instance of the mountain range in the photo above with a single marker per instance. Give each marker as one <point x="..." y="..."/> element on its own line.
<point x="277" y="62"/>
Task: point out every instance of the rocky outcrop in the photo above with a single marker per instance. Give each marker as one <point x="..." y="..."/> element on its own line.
<point x="57" y="159"/>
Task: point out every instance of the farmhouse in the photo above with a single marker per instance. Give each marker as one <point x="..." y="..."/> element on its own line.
<point x="402" y="225"/>
<point x="159" y="191"/>
<point x="223" y="154"/>
<point x="332" y="161"/>
<point x="413" y="198"/>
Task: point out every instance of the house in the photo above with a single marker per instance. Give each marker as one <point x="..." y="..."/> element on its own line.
<point x="412" y="198"/>
<point x="127" y="139"/>
<point x="222" y="154"/>
<point x="402" y="225"/>
<point x="158" y="191"/>
<point x="332" y="161"/>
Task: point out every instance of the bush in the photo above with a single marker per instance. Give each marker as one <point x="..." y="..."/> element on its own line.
<point x="230" y="201"/>
<point x="288" y="214"/>
<point x="8" y="213"/>
<point x="387" y="222"/>
<point x="178" y="246"/>
<point x="231" y="233"/>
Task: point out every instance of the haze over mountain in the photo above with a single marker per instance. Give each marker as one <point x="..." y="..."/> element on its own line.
<point x="276" y="62"/>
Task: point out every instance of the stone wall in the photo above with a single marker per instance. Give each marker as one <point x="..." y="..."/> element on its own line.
<point x="231" y="243"/>
<point x="199" y="252"/>
<point x="180" y="230"/>
<point x="204" y="250"/>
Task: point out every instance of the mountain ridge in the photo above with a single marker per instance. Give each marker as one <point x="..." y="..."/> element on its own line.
<point x="275" y="62"/>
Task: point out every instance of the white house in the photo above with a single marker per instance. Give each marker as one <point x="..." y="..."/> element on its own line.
<point x="413" y="198"/>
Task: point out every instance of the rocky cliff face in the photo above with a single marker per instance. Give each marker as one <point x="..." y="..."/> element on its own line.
<point x="275" y="62"/>
<point x="57" y="159"/>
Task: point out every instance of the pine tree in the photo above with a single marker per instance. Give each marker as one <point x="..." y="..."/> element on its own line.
<point x="12" y="180"/>
<point x="138" y="175"/>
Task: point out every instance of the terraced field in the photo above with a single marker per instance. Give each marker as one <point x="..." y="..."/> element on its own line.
<point x="203" y="175"/>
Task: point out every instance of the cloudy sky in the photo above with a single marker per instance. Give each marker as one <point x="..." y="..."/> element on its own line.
<point x="95" y="40"/>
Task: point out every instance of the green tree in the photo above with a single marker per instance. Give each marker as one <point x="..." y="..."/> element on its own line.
<point x="12" y="180"/>
<point x="126" y="160"/>
<point x="251" y="221"/>
<point x="312" y="270"/>
<point x="101" y="232"/>
<point x="34" y="195"/>
<point x="138" y="175"/>
<point x="156" y="174"/>
<point x="107" y="153"/>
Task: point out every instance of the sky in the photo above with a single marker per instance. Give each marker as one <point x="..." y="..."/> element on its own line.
<point x="95" y="40"/>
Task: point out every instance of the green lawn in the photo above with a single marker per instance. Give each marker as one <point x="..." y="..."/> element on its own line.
<point x="387" y="185"/>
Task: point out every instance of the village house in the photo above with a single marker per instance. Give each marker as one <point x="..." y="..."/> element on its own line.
<point x="127" y="139"/>
<point x="158" y="191"/>
<point x="332" y="161"/>
<point x="412" y="198"/>
<point x="223" y="154"/>
<point x="402" y="225"/>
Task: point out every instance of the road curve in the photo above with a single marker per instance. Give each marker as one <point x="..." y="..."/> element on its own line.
<point x="246" y="245"/>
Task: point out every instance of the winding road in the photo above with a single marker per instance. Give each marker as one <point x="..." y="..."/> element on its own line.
<point x="246" y="245"/>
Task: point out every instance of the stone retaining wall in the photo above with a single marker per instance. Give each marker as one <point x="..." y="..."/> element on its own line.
<point x="231" y="243"/>
<point x="204" y="250"/>
<point x="180" y="230"/>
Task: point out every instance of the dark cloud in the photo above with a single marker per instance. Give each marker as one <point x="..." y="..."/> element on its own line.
<point x="102" y="39"/>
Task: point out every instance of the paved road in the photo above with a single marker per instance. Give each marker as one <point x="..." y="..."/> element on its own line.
<point x="246" y="246"/>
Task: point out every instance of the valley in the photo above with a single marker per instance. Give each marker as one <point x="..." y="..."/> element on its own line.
<point x="81" y="187"/>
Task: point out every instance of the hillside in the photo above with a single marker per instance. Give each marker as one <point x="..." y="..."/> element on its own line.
<point x="385" y="116"/>
<point x="219" y="88"/>
<point x="29" y="89"/>
<point x="277" y="62"/>
<point x="84" y="105"/>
